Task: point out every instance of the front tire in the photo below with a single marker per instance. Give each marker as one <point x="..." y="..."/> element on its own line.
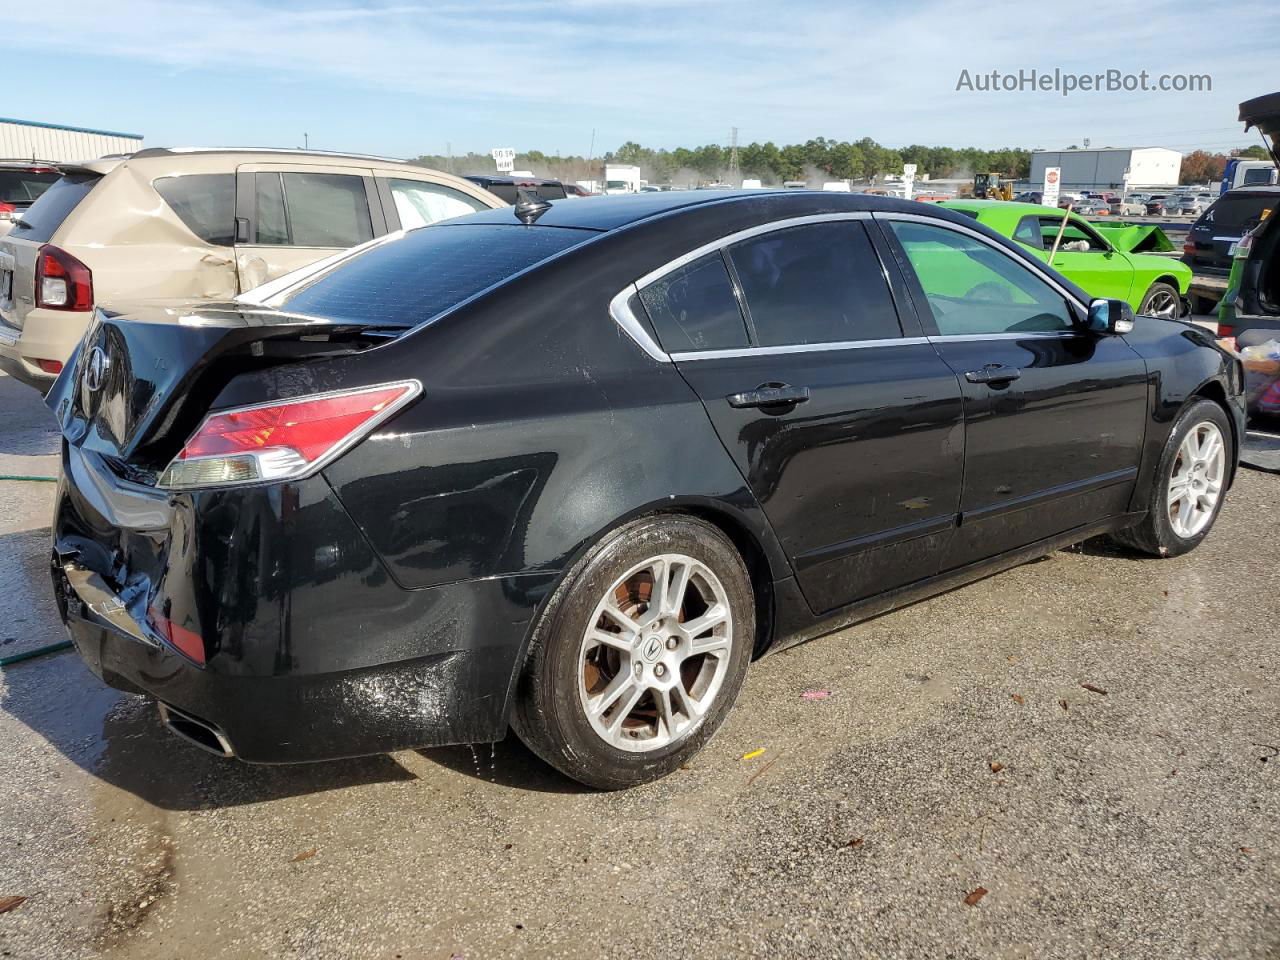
<point x="639" y="655"/>
<point x="1190" y="484"/>
<point x="1160" y="300"/>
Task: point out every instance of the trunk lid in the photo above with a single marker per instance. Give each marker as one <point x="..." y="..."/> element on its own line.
<point x="140" y="382"/>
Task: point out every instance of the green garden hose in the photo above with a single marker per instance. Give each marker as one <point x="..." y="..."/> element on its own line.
<point x="32" y="654"/>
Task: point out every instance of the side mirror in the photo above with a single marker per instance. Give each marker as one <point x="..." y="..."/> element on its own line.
<point x="1110" y="316"/>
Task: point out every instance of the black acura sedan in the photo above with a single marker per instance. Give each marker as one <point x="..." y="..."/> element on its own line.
<point x="571" y="467"/>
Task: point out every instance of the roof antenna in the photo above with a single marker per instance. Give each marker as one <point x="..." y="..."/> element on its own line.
<point x="530" y="206"/>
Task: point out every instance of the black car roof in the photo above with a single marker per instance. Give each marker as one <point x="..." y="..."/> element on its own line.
<point x="612" y="212"/>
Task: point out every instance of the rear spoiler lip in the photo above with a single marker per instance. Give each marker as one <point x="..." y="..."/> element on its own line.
<point x="97" y="168"/>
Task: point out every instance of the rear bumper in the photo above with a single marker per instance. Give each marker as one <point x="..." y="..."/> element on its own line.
<point x="44" y="335"/>
<point x="455" y="691"/>
<point x="311" y="650"/>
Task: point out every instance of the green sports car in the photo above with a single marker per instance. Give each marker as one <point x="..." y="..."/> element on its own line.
<point x="1097" y="259"/>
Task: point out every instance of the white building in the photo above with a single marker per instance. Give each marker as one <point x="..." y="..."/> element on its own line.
<point x="1105" y="169"/>
<point x="29" y="140"/>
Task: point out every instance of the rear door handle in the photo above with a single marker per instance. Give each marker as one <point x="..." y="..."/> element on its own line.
<point x="769" y="395"/>
<point x="993" y="373"/>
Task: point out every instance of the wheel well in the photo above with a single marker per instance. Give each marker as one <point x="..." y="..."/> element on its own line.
<point x="1170" y="280"/>
<point x="757" y="563"/>
<point x="1214" y="391"/>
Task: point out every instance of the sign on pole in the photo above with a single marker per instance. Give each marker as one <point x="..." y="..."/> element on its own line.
<point x="1052" y="183"/>
<point x="908" y="179"/>
<point x="505" y="158"/>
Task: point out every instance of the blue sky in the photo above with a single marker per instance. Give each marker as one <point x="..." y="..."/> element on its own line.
<point x="402" y="79"/>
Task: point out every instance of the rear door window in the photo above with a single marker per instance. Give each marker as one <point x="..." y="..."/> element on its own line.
<point x="819" y="283"/>
<point x="327" y="209"/>
<point x="45" y="216"/>
<point x="972" y="288"/>
<point x="273" y="227"/>
<point x="205" y="202"/>
<point x="694" y="308"/>
<point x="419" y="203"/>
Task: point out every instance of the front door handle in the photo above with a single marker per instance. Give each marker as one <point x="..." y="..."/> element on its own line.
<point x="769" y="395"/>
<point x="993" y="373"/>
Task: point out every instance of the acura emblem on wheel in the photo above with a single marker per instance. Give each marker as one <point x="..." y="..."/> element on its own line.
<point x="95" y="372"/>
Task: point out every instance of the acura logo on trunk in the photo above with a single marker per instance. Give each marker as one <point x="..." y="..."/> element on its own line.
<point x="96" y="370"/>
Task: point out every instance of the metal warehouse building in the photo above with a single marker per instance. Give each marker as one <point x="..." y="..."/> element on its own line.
<point x="1105" y="169"/>
<point x="28" y="140"/>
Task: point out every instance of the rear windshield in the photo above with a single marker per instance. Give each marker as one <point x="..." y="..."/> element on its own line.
<point x="1240" y="212"/>
<point x="407" y="281"/>
<point x="503" y="191"/>
<point x="21" y="186"/>
<point x="44" y="216"/>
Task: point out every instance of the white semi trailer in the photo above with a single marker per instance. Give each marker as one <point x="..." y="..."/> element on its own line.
<point x="621" y="178"/>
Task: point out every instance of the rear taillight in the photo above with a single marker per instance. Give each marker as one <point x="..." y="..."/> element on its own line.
<point x="1226" y="330"/>
<point x="6" y="210"/>
<point x="282" y="441"/>
<point x="49" y="366"/>
<point x="62" y="281"/>
<point x="1189" y="247"/>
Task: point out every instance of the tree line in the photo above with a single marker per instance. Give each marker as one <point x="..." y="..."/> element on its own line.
<point x="816" y="159"/>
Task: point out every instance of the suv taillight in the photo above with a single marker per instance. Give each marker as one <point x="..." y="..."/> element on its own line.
<point x="62" y="281"/>
<point x="6" y="210"/>
<point x="285" y="440"/>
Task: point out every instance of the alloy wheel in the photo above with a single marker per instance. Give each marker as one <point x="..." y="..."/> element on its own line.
<point x="1195" y="483"/>
<point x="655" y="653"/>
<point x="1162" y="303"/>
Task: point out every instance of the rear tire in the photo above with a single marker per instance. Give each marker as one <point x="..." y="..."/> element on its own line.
<point x="615" y="691"/>
<point x="1177" y="526"/>
<point x="1160" y="300"/>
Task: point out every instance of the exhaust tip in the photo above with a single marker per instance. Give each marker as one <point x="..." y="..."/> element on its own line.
<point x="199" y="732"/>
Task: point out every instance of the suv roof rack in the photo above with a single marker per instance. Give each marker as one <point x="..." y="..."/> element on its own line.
<point x="169" y="151"/>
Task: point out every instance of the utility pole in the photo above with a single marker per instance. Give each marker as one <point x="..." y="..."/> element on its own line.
<point x="306" y="141"/>
<point x="733" y="155"/>
<point x="448" y="149"/>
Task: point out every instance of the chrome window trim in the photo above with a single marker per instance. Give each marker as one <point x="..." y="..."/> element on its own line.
<point x="1035" y="266"/>
<point x="620" y="310"/>
<point x="797" y="348"/>
<point x="1015" y="335"/>
<point x="732" y="238"/>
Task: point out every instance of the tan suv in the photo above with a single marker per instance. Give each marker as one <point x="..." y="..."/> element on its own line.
<point x="194" y="224"/>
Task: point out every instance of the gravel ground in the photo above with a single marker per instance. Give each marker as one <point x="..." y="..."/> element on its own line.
<point x="959" y="751"/>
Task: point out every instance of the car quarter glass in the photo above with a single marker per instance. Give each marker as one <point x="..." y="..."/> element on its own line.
<point x="419" y="203"/>
<point x="694" y="307"/>
<point x="972" y="288"/>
